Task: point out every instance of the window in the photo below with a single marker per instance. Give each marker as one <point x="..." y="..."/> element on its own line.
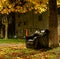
<point x="40" y="17"/>
<point x="24" y="22"/>
<point x="19" y="24"/>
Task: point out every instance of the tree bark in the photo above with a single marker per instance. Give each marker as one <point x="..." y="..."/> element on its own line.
<point x="1" y="33"/>
<point x="5" y="23"/>
<point x="6" y="31"/>
<point x="53" y="24"/>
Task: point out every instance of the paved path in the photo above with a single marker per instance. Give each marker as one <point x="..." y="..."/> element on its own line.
<point x="7" y="44"/>
<point x="12" y="45"/>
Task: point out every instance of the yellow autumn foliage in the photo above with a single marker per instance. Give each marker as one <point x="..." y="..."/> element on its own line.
<point x="39" y="5"/>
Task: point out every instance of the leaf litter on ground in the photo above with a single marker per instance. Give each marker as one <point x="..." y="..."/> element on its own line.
<point x="21" y="52"/>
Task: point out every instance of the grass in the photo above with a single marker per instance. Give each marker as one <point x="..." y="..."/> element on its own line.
<point x="21" y="52"/>
<point x="12" y="41"/>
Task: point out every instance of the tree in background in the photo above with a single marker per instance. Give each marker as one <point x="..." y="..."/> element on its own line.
<point x="39" y="6"/>
<point x="53" y="23"/>
<point x="21" y="6"/>
<point x="8" y="6"/>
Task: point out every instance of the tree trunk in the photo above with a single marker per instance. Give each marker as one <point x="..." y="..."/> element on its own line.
<point x="1" y="33"/>
<point x="5" y="23"/>
<point x="6" y="31"/>
<point x="53" y="24"/>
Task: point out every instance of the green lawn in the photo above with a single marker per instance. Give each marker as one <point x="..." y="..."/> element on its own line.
<point x="12" y="41"/>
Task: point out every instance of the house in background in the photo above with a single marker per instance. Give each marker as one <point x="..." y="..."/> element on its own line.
<point x="33" y="22"/>
<point x="18" y="23"/>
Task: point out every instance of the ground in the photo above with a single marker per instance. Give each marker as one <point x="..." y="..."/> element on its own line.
<point x="19" y="51"/>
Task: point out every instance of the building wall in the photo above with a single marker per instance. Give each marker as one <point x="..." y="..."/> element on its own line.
<point x="30" y="21"/>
